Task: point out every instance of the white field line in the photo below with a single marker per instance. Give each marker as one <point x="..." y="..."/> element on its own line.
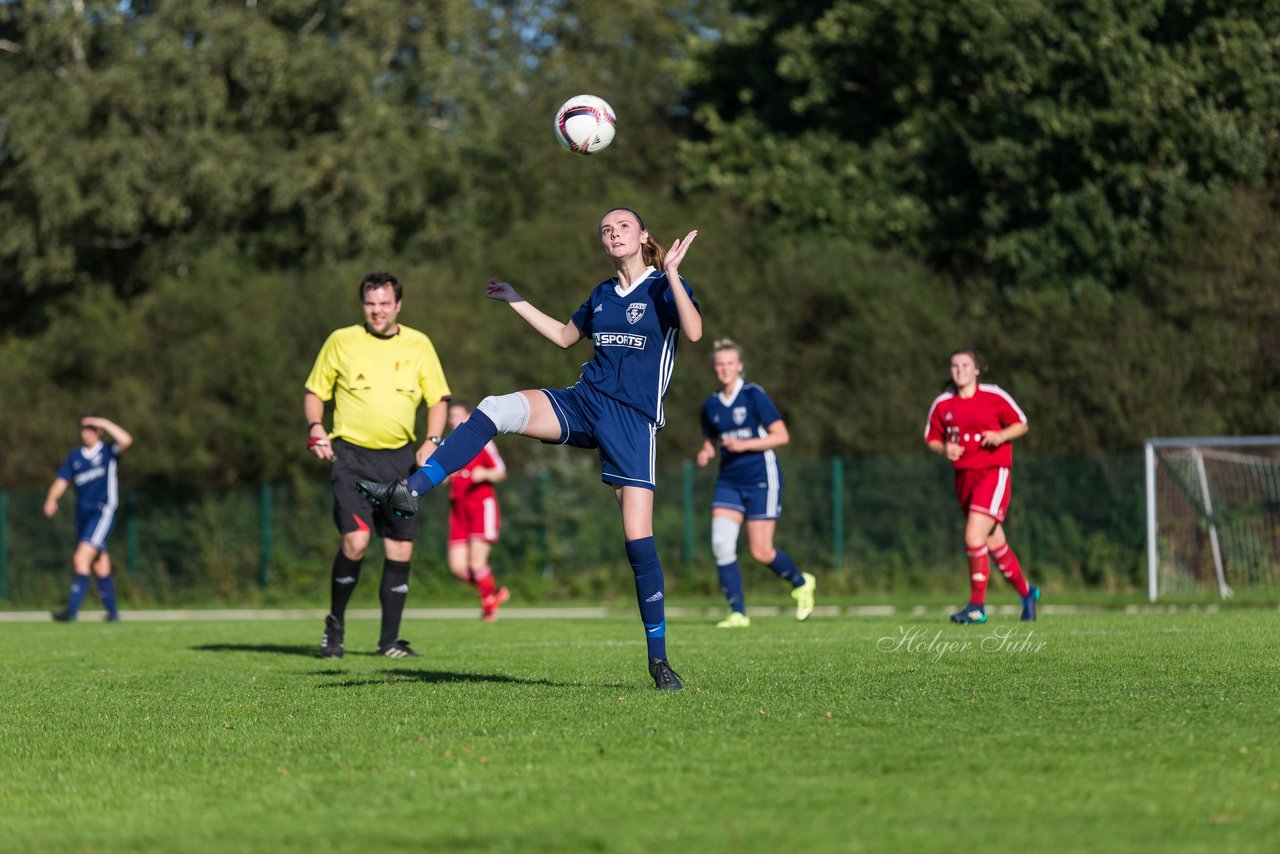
<point x="574" y="613"/>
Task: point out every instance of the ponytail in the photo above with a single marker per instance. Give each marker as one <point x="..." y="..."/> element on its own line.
<point x="652" y="253"/>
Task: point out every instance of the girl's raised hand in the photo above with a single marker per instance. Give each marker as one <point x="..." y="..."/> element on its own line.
<point x="501" y="291"/>
<point x="676" y="253"/>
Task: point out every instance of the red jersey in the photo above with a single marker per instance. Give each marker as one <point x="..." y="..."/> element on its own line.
<point x="966" y="419"/>
<point x="461" y="487"/>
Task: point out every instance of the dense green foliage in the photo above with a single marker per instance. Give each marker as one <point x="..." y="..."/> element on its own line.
<point x="190" y="192"/>
<point x="1098" y="731"/>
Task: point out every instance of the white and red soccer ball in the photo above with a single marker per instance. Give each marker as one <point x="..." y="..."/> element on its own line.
<point x="585" y="124"/>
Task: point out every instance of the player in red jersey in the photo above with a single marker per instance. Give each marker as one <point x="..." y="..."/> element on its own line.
<point x="474" y="518"/>
<point x="972" y="424"/>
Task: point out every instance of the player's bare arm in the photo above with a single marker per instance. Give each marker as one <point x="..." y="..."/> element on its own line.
<point x="690" y="319"/>
<point x="563" y="335"/>
<point x="706" y="454"/>
<point x="996" y="438"/>
<point x="951" y="450"/>
<point x="56" y="491"/>
<point x="119" y="436"/>
<point x="776" y="438"/>
<point x="480" y="474"/>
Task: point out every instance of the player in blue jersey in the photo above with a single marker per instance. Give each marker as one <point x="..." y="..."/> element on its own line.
<point x="634" y="320"/>
<point x="742" y="420"/>
<point x="92" y="468"/>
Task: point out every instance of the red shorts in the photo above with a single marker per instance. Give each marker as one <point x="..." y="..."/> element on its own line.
<point x="474" y="520"/>
<point x="984" y="490"/>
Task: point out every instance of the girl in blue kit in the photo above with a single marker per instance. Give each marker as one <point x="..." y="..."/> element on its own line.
<point x="91" y="469"/>
<point x="634" y="321"/>
<point x="742" y="421"/>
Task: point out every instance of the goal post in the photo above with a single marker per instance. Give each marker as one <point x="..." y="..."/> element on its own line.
<point x="1213" y="513"/>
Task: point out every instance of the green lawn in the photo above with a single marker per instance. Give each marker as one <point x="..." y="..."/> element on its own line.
<point x="1098" y="731"/>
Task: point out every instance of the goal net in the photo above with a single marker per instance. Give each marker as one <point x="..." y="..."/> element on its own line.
<point x="1213" y="514"/>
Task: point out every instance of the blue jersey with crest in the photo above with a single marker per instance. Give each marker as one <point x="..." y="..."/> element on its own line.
<point x="634" y="336"/>
<point x="744" y="413"/>
<point x="93" y="472"/>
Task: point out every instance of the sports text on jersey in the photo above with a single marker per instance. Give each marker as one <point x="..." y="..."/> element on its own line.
<point x="89" y="474"/>
<point x="618" y="339"/>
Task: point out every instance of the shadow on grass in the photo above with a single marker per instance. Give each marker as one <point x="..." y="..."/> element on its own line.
<point x="304" y="650"/>
<point x="392" y="675"/>
<point x="437" y="676"/>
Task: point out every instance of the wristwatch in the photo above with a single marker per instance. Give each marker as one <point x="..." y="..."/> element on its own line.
<point x="435" y="440"/>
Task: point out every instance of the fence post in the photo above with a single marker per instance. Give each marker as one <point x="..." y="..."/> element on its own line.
<point x="131" y="532"/>
<point x="544" y="494"/>
<point x="837" y="512"/>
<point x="4" y="545"/>
<point x="686" y="467"/>
<point x="264" y="567"/>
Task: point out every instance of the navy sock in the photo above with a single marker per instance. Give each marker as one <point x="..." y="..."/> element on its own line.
<point x="731" y="586"/>
<point x="107" y="593"/>
<point x="342" y="583"/>
<point x="467" y="440"/>
<point x="783" y="566"/>
<point x="643" y="555"/>
<point x="79" y="586"/>
<point x="394" y="592"/>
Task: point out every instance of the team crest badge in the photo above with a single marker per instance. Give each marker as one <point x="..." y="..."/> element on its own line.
<point x="739" y="415"/>
<point x="635" y="311"/>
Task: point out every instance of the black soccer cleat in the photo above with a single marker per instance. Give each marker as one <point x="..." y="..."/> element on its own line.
<point x="63" y="616"/>
<point x="395" y="495"/>
<point x="111" y="618"/>
<point x="397" y="649"/>
<point x="664" y="678"/>
<point x="331" y="640"/>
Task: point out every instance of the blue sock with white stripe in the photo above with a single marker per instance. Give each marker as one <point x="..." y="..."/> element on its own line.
<point x="643" y="555"/>
<point x="79" y="586"/>
<point x="784" y="568"/>
<point x="107" y="593"/>
<point x="467" y="440"/>
<point x="731" y="586"/>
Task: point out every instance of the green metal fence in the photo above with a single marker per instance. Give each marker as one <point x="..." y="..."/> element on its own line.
<point x="868" y="524"/>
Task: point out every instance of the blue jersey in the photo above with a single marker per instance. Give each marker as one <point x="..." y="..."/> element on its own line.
<point x="93" y="472"/>
<point x="745" y="413"/>
<point x="634" y="337"/>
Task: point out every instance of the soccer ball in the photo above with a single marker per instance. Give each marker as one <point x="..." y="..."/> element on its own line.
<point x="585" y="124"/>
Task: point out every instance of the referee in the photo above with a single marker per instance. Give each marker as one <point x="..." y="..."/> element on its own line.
<point x="377" y="374"/>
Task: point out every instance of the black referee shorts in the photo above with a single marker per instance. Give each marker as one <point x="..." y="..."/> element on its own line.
<point x="353" y="512"/>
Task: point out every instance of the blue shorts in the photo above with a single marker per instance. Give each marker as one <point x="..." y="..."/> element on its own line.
<point x="94" y="525"/>
<point x="755" y="501"/>
<point x="627" y="440"/>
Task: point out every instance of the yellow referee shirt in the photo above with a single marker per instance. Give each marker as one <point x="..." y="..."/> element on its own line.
<point x="377" y="383"/>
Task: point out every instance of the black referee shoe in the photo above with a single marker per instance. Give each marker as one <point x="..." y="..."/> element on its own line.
<point x="331" y="640"/>
<point x="397" y="649"/>
<point x="395" y="495"/>
<point x="664" y="678"/>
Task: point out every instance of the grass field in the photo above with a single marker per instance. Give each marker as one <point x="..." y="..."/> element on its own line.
<point x="1095" y="731"/>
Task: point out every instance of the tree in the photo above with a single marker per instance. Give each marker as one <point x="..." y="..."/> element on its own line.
<point x="1045" y="143"/>
<point x="136" y="135"/>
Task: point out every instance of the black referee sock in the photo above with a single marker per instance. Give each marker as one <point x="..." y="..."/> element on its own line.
<point x="394" y="592"/>
<point x="346" y="572"/>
